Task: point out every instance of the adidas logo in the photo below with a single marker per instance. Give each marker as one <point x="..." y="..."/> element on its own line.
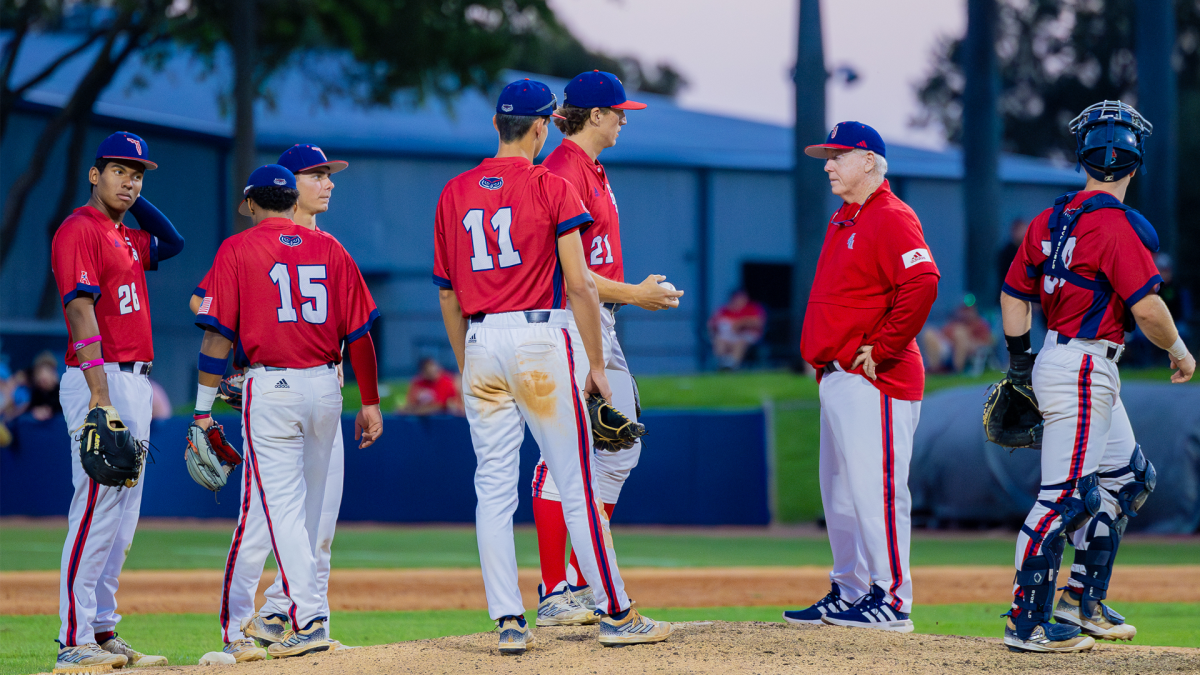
<point x="282" y="384"/>
<point x="471" y="340"/>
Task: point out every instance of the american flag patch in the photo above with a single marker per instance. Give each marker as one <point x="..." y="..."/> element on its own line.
<point x="205" y="305"/>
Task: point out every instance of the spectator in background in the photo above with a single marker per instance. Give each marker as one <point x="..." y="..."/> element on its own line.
<point x="43" y="387"/>
<point x="13" y="400"/>
<point x="964" y="337"/>
<point x="1016" y="235"/>
<point x="1139" y="351"/>
<point x="735" y="327"/>
<point x="160" y="409"/>
<point x="433" y="391"/>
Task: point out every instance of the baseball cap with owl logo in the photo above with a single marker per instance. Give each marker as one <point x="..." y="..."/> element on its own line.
<point x="527" y="98"/>
<point x="124" y="145"/>
<point x="270" y="175"/>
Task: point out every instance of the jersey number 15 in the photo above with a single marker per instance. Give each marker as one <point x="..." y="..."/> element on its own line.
<point x="311" y="289"/>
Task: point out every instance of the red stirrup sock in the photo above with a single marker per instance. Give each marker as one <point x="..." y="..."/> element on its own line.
<point x="575" y="575"/>
<point x="552" y="541"/>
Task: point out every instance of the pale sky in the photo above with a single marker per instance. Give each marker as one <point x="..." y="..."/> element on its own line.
<point x="738" y="54"/>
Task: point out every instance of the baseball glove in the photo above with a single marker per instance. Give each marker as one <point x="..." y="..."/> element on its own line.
<point x="230" y="390"/>
<point x="611" y="429"/>
<point x="209" y="456"/>
<point x="1011" y="415"/>
<point x="108" y="451"/>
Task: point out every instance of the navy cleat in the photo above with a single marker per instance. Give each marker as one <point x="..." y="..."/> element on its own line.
<point x="829" y="604"/>
<point x="872" y="612"/>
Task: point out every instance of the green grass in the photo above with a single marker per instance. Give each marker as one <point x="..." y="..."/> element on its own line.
<point x="184" y="638"/>
<point x="39" y="548"/>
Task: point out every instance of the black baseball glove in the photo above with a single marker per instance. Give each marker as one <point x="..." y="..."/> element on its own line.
<point x="1011" y="415"/>
<point x="109" y="453"/>
<point x="611" y="429"/>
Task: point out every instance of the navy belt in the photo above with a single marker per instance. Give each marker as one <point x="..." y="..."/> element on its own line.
<point x="276" y="368"/>
<point x="128" y="367"/>
<point x="613" y="307"/>
<point x="531" y="316"/>
<point x="1114" y="352"/>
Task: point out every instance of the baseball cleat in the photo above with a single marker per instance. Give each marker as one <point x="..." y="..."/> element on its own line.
<point x="829" y="604"/>
<point x="584" y="596"/>
<point x="245" y="650"/>
<point x="1047" y="637"/>
<point x="89" y="658"/>
<point x="116" y="645"/>
<point x="1104" y="623"/>
<point x="308" y="640"/>
<point x="871" y="612"/>
<point x="632" y="629"/>
<point x="267" y="630"/>
<point x="515" y="634"/>
<point x="560" y="608"/>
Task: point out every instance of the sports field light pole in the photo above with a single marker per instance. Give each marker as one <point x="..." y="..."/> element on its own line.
<point x="1158" y="100"/>
<point x="810" y="186"/>
<point x="981" y="153"/>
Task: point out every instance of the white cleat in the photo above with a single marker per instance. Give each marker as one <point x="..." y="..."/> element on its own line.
<point x="244" y="650"/>
<point x="560" y="608"/>
<point x="516" y="635"/>
<point x="634" y="629"/>
<point x="1104" y="623"/>
<point x="89" y="658"/>
<point x="115" y="645"/>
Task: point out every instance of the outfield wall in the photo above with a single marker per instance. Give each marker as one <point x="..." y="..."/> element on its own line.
<point x="422" y="470"/>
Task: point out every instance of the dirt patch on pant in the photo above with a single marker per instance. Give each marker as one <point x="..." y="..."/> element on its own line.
<point x="721" y="647"/>
<point x="199" y="591"/>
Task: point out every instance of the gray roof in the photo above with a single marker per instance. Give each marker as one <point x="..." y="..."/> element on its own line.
<point x="187" y="95"/>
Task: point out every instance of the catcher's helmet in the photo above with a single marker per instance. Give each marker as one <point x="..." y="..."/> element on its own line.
<point x="1108" y="139"/>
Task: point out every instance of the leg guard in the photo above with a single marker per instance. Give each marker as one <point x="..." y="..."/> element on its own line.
<point x="1134" y="493"/>
<point x="1039" y="572"/>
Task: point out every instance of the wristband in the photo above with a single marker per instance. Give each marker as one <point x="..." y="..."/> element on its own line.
<point x="1178" y="351"/>
<point x="85" y="365"/>
<point x="85" y="342"/>
<point x="1019" y="344"/>
<point x="205" y="397"/>
<point x="210" y="364"/>
<point x="201" y="415"/>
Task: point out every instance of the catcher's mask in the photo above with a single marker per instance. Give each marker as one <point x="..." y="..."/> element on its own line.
<point x="1109" y="139"/>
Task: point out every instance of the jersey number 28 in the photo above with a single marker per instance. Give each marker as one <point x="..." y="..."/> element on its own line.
<point x="311" y="289"/>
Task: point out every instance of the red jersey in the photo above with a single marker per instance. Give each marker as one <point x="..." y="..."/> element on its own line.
<point x="91" y="254"/>
<point x="288" y="293"/>
<point x="1103" y="245"/>
<point x="869" y="252"/>
<point x="602" y="242"/>
<point x="496" y="236"/>
<point x="425" y="392"/>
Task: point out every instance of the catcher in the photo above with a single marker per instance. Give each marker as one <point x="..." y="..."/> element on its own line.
<point x="1087" y="260"/>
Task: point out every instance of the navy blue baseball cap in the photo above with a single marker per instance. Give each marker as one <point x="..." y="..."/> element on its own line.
<point x="528" y="98"/>
<point x="124" y="145"/>
<point x="598" y="89"/>
<point x="270" y="175"/>
<point x="302" y="157"/>
<point x="849" y="136"/>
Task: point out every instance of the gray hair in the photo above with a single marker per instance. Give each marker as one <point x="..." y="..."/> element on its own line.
<point x="881" y="167"/>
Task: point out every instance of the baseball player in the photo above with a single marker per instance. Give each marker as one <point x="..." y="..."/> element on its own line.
<point x="507" y="256"/>
<point x="100" y="268"/>
<point x="251" y="541"/>
<point x="289" y="295"/>
<point x="590" y="119"/>
<point x="1088" y="261"/>
<point x="875" y="283"/>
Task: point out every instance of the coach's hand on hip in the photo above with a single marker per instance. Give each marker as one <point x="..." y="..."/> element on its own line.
<point x="368" y="425"/>
<point x="863" y="358"/>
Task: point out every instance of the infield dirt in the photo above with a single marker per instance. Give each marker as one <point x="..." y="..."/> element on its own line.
<point x="145" y="592"/>
<point x="721" y="647"/>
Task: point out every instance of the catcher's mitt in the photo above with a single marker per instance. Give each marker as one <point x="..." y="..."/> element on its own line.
<point x="611" y="429"/>
<point x="230" y="390"/>
<point x="108" y="451"/>
<point x="209" y="456"/>
<point x="1011" y="416"/>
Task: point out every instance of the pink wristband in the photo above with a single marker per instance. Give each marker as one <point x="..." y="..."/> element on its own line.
<point x="86" y="341"/>
<point x="84" y="365"/>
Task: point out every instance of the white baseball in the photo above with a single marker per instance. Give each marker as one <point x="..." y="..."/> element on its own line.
<point x="667" y="285"/>
<point x="217" y="659"/>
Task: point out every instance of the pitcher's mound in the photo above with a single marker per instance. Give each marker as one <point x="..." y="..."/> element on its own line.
<point x="721" y="647"/>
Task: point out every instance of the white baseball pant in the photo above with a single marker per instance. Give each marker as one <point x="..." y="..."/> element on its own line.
<point x="290" y="421"/>
<point x="1086" y="430"/>
<point x="252" y="544"/>
<point x="611" y="469"/>
<point x="517" y="372"/>
<point x="102" y="520"/>
<point x="866" y="448"/>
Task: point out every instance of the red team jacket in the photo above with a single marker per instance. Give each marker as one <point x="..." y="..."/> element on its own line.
<point x="602" y="240"/>
<point x="91" y="254"/>
<point x="1104" y="245"/>
<point x="496" y="236"/>
<point x="288" y="293"/>
<point x="864" y="261"/>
